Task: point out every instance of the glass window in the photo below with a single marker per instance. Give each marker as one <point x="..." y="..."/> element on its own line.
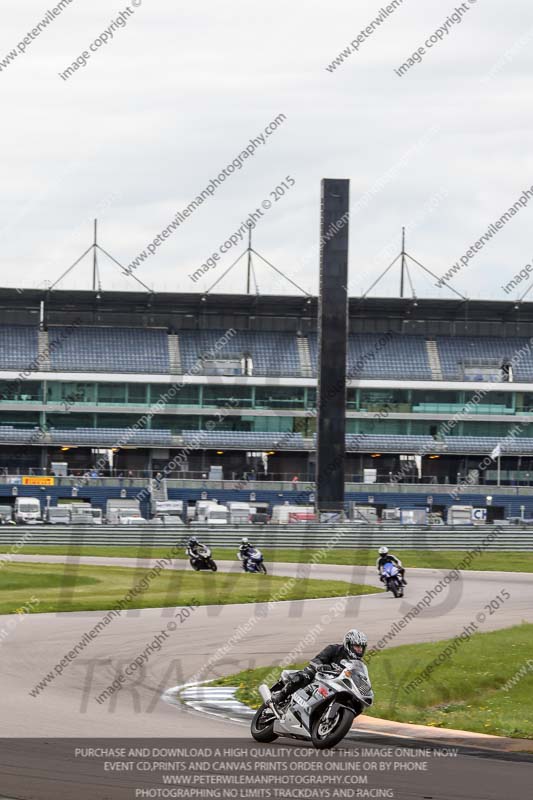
<point x="79" y="393"/>
<point x="118" y="420"/>
<point x="490" y="403"/>
<point x="311" y="425"/>
<point x="188" y="395"/>
<point x="20" y="419"/>
<point x="227" y="423"/>
<point x="20" y="391"/>
<point x="521" y="401"/>
<point x="137" y="393"/>
<point x="432" y="396"/>
<point x="381" y="399"/>
<point x="351" y="399"/>
<point x="69" y="420"/>
<point x="273" y="424"/>
<point x="497" y="429"/>
<point x="176" y="424"/>
<point x="227" y="397"/>
<point x="111" y="392"/>
<point x="223" y="366"/>
<point x="279" y="397"/>
<point x="381" y="426"/>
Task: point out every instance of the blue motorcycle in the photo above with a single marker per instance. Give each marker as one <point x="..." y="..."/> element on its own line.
<point x="391" y="576"/>
<point x="254" y="561"/>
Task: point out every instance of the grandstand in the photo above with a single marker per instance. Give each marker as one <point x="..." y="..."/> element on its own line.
<point x="125" y="382"/>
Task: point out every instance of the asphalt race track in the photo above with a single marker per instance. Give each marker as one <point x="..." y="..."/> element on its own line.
<point x="262" y="635"/>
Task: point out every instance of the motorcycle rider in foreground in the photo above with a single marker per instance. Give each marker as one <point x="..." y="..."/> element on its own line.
<point x="353" y="647"/>
<point x="387" y="558"/>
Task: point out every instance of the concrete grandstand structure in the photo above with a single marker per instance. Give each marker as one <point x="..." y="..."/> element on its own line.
<point x="125" y="385"/>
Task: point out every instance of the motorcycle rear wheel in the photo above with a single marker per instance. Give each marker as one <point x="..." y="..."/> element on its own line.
<point x="196" y="566"/>
<point x="261" y="730"/>
<point x="324" y="735"/>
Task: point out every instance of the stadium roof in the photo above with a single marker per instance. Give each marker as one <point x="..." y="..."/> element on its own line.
<point x="187" y="310"/>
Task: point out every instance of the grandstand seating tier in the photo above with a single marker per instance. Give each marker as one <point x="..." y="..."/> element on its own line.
<point x="18" y="347"/>
<point x="146" y="350"/>
<point x="237" y="440"/>
<point x="108" y="349"/>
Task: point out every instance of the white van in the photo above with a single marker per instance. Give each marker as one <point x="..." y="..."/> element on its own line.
<point x="285" y="514"/>
<point x="128" y="518"/>
<point x="239" y="513"/>
<point x="201" y="509"/>
<point x="364" y="515"/>
<point x="6" y="515"/>
<point x="58" y="515"/>
<point x="217" y="515"/>
<point x="211" y="513"/>
<point x="27" y="510"/>
<point x="460" y="515"/>
<point x="81" y="514"/>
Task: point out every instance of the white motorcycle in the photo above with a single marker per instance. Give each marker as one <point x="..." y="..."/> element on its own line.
<point x="201" y="559"/>
<point x="323" y="711"/>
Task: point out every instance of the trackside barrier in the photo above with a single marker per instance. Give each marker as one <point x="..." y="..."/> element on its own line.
<point x="274" y="536"/>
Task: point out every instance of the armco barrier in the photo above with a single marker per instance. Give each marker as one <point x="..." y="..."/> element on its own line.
<point x="336" y="536"/>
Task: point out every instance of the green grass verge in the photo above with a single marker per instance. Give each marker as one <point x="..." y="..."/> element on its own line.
<point x="440" y="559"/>
<point x="465" y="692"/>
<point x="61" y="587"/>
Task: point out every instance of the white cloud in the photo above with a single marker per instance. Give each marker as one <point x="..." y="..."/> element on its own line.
<point x="181" y="89"/>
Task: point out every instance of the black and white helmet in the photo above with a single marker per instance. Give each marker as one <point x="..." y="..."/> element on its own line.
<point x="383" y="551"/>
<point x="355" y="643"/>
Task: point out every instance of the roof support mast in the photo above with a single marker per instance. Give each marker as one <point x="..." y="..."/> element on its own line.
<point x="249" y="268"/>
<point x="95" y="262"/>
<point x="402" y="272"/>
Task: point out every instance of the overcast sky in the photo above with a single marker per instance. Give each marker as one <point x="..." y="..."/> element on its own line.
<point x="178" y="92"/>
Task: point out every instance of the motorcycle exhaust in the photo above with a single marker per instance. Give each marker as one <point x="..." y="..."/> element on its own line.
<point x="266" y="697"/>
<point x="264" y="691"/>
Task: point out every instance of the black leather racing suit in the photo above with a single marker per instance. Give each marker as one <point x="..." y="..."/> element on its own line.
<point x="330" y="655"/>
<point x="244" y="553"/>
<point x="195" y="550"/>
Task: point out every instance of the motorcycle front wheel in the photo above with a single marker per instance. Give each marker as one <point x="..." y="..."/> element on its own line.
<point x="327" y="733"/>
<point x="263" y="569"/>
<point x="262" y="727"/>
<point x="212" y="565"/>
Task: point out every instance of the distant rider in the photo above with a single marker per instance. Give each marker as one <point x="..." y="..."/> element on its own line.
<point x="194" y="548"/>
<point x="387" y="558"/>
<point x="244" y="551"/>
<point x="353" y="647"/>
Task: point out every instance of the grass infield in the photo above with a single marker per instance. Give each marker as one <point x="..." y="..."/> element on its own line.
<point x="486" y="686"/>
<point x="62" y="587"/>
<point x="503" y="561"/>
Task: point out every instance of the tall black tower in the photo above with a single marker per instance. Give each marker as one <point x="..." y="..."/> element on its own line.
<point x="332" y="333"/>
